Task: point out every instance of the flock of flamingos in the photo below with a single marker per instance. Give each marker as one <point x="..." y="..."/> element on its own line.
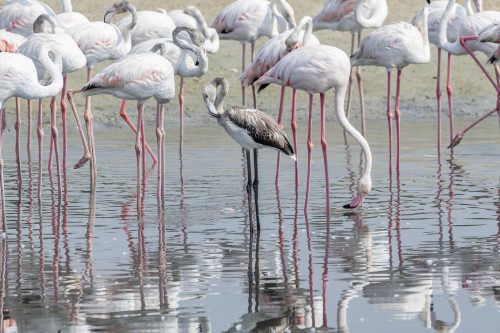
<point x="39" y="48"/>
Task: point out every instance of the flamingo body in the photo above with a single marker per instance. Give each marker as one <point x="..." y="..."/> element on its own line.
<point x="150" y="24"/>
<point x="9" y="41"/>
<point x="436" y="11"/>
<point x="18" y="16"/>
<point x="70" y="19"/>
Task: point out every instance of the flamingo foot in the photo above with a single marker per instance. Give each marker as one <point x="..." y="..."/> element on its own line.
<point x="82" y="161"/>
<point x="356" y="201"/>
<point x="456" y="140"/>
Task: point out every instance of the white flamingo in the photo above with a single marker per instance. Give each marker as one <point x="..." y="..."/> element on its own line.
<point x="72" y="60"/>
<point x="492" y="35"/>
<point x="19" y="16"/>
<point x="188" y="59"/>
<point x="352" y="16"/>
<point x="269" y="55"/>
<point x="68" y="18"/>
<point x="316" y="69"/>
<point x="19" y="79"/>
<point x="135" y="77"/>
<point x="101" y="41"/>
<point x="392" y="46"/>
<point x="246" y="21"/>
<point x="9" y="41"/>
<point x="192" y="18"/>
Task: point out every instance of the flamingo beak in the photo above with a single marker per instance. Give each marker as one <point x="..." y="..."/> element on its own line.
<point x="108" y="16"/>
<point x="356" y="201"/>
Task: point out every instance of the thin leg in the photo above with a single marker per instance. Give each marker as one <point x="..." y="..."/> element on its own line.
<point x="3" y="124"/>
<point x="162" y="157"/>
<point x="64" y="124"/>
<point x="256" y="187"/>
<point x="17" y="126"/>
<point x="124" y="115"/>
<point x="254" y="94"/>
<point x="398" y="124"/>
<point x="249" y="188"/>
<point x="138" y="148"/>
<point x="309" y="153"/>
<point x="280" y="121"/>
<point x="86" y="153"/>
<point x="389" y="120"/>
<point x="40" y="148"/>
<point x="438" y="97"/>
<point x="294" y="132"/>
<point x="243" y="89"/>
<point x="324" y="146"/>
<point x="54" y="140"/>
<point x="361" y="94"/>
<point x="449" y="90"/>
<point x="181" y="116"/>
<point x="349" y="87"/>
<point x="463" y="43"/>
<point x="158" y="143"/>
<point x="143" y="151"/>
<point x="459" y="136"/>
<point x="29" y="131"/>
<point x="90" y="134"/>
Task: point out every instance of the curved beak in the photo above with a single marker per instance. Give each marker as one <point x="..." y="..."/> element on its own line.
<point x="109" y="15"/>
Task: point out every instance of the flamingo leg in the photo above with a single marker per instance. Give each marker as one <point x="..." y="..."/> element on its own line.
<point x="256" y="187"/>
<point x="138" y="148"/>
<point x="162" y="156"/>
<point x="124" y="115"/>
<point x="54" y="140"/>
<point x="158" y="143"/>
<point x="249" y="188"/>
<point x="449" y="90"/>
<point x="463" y="43"/>
<point x="3" y="125"/>
<point x="40" y="148"/>
<point x="280" y="121"/>
<point x="294" y="132"/>
<point x="64" y="124"/>
<point x="28" y="146"/>
<point x="17" y="126"/>
<point x="459" y="136"/>
<point x="90" y="134"/>
<point x="438" y="97"/>
<point x="143" y="151"/>
<point x="324" y="146"/>
<point x="252" y="55"/>
<point x="389" y="120"/>
<point x="309" y="153"/>
<point x="398" y="121"/>
<point x="181" y="116"/>
<point x="361" y="94"/>
<point x="86" y="154"/>
<point x="243" y="88"/>
<point x="349" y="86"/>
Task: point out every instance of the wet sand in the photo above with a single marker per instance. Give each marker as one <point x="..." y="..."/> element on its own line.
<point x="473" y="94"/>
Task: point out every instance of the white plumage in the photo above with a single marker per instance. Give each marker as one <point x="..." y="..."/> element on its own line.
<point x="18" y="16"/>
<point x="150" y="24"/>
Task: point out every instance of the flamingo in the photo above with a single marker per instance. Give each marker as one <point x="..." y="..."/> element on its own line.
<point x="135" y="77"/>
<point x="9" y="41"/>
<point x="459" y="14"/>
<point x="72" y="60"/>
<point x="468" y="42"/>
<point x="492" y="35"/>
<point x="246" y="21"/>
<point x="188" y="59"/>
<point x="317" y="69"/>
<point x="268" y="56"/>
<point x="250" y="128"/>
<point x="19" y="16"/>
<point x="352" y="16"/>
<point x="150" y="24"/>
<point x="392" y="46"/>
<point x="101" y="41"/>
<point x="19" y="79"/>
<point x="192" y="18"/>
<point x="68" y="18"/>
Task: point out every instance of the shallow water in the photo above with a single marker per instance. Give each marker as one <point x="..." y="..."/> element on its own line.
<point x="421" y="255"/>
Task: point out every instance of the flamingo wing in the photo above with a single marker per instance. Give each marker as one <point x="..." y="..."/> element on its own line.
<point x="18" y="16"/>
<point x="150" y="24"/>
<point x="241" y="18"/>
<point x="335" y="10"/>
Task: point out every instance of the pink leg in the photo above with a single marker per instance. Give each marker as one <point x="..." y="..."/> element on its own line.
<point x="294" y="132"/>
<point x="449" y="90"/>
<point x="158" y="143"/>
<point x="459" y="136"/>
<point x="138" y="153"/>
<point x="243" y="89"/>
<point x="143" y="150"/>
<point x="309" y="153"/>
<point x="349" y="87"/>
<point x="324" y="146"/>
<point x="3" y="125"/>
<point x="463" y="42"/>
<point x="398" y="122"/>
<point x="438" y="97"/>
<point x="29" y="131"/>
<point x="54" y="139"/>
<point x="254" y="95"/>
<point x="17" y="126"/>
<point x="280" y="121"/>
<point x="162" y="156"/>
<point x="86" y="153"/>
<point x="361" y="94"/>
<point x="64" y="124"/>
<point x="40" y="148"/>
<point x="389" y="120"/>
<point x="181" y="116"/>
<point x="90" y="134"/>
<point x="124" y="115"/>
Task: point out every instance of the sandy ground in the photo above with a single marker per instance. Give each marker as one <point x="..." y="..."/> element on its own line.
<point x="473" y="94"/>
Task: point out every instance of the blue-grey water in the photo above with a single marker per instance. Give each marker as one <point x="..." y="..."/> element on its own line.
<point x="421" y="255"/>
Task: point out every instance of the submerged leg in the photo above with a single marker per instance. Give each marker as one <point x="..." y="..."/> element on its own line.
<point x="17" y="126"/>
<point x="438" y="97"/>
<point x="86" y="149"/>
<point x="249" y="188"/>
<point x="40" y="148"/>
<point x="389" y="120"/>
<point x="256" y="187"/>
<point x="280" y="121"/>
<point x="309" y="153"/>
<point x="324" y="146"/>
<point x="90" y="134"/>
<point x="294" y="132"/>
<point x="398" y="124"/>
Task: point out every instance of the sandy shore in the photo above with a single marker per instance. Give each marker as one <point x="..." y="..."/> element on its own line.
<point x="473" y="94"/>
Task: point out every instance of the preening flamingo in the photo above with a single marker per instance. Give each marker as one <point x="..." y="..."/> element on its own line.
<point x="18" y="16"/>
<point x="317" y="69"/>
<point x="352" y="16"/>
<point x="192" y="18"/>
<point x="392" y="46"/>
<point x="246" y="21"/>
<point x="250" y="128"/>
<point x="188" y="59"/>
<point x="268" y="55"/>
<point x="19" y="79"/>
<point x="135" y="77"/>
<point x="101" y="41"/>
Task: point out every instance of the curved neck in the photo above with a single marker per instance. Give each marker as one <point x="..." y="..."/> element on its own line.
<point x="222" y="90"/>
<point x="202" y="23"/>
<point x="133" y="22"/>
<point x="39" y="24"/>
<point x="55" y="75"/>
<point x="420" y="21"/>
<point x="66" y="6"/>
<point x="201" y="56"/>
<point x="376" y="19"/>
<point x="339" y="111"/>
<point x="308" y="30"/>
<point x="455" y="47"/>
<point x="468" y="7"/>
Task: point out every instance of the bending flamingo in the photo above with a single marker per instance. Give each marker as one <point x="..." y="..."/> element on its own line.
<point x="352" y="16"/>
<point x="135" y="77"/>
<point x="268" y="56"/>
<point x="316" y="69"/>
<point x="18" y="78"/>
<point x="18" y="16"/>
<point x="246" y="21"/>
<point x="392" y="46"/>
<point x="252" y="129"/>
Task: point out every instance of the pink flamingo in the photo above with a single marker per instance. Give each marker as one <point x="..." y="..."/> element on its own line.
<point x="492" y="35"/>
<point x="269" y="55"/>
<point x="468" y="42"/>
<point x="72" y="60"/>
<point x="9" y="41"/>
<point x="101" y="41"/>
<point x="352" y="16"/>
<point x="392" y="46"/>
<point x="246" y="21"/>
<point x="135" y="77"/>
<point x="19" y="16"/>
<point x="317" y="69"/>
<point x="19" y="79"/>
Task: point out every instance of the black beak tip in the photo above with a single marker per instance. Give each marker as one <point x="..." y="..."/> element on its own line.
<point x="429" y="2"/>
<point x="348" y="206"/>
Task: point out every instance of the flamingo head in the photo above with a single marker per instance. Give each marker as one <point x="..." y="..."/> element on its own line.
<point x="195" y="36"/>
<point x="364" y="187"/>
<point x="118" y="8"/>
<point x="39" y="24"/>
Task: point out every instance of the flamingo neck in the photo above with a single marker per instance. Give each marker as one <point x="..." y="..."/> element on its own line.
<point x="41" y="91"/>
<point x="66" y="6"/>
<point x="222" y="90"/>
<point x="455" y="47"/>
<point x="376" y="19"/>
<point x="201" y="56"/>
<point x="200" y="20"/>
